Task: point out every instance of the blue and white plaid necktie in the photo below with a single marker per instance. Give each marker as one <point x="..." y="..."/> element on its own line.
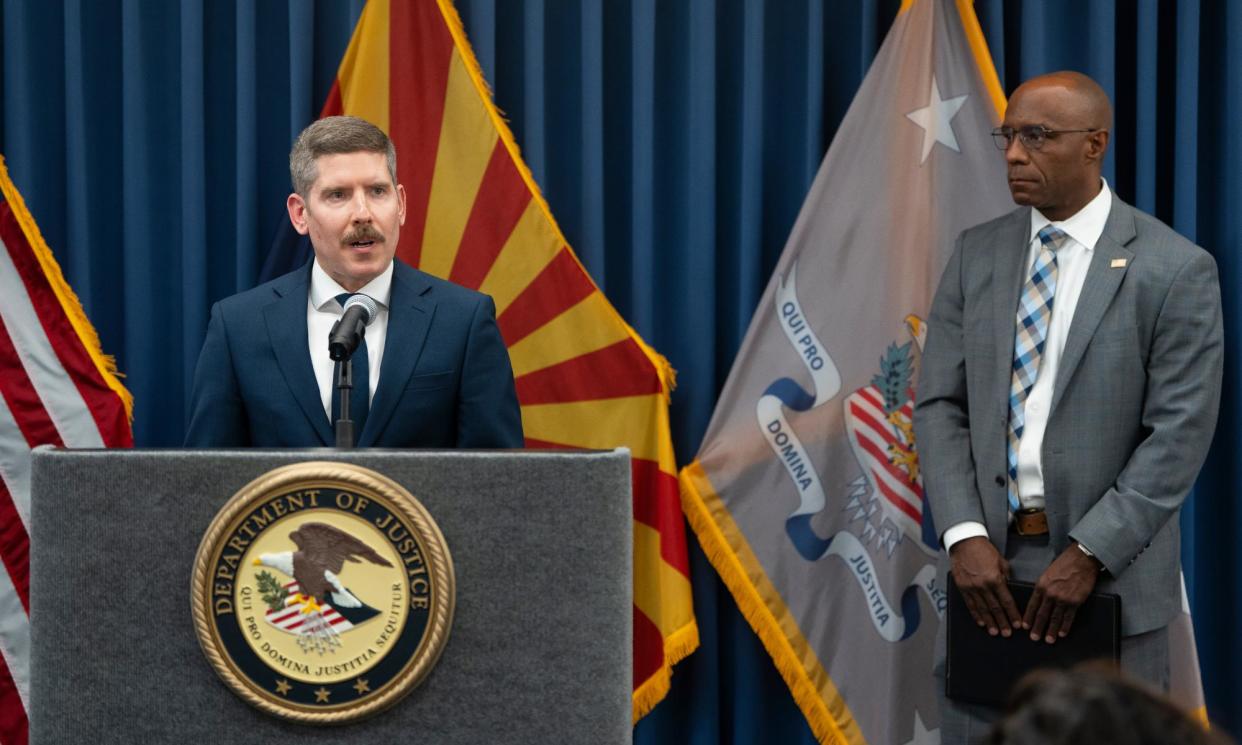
<point x="1034" y="313"/>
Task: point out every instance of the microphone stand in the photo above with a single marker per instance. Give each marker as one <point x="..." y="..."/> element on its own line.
<point x="341" y="347"/>
<point x="345" y="386"/>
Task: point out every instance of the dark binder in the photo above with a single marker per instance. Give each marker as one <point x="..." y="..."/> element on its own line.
<point x="983" y="669"/>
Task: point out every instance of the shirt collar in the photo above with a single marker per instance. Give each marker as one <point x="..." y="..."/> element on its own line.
<point x="324" y="289"/>
<point x="1085" y="226"/>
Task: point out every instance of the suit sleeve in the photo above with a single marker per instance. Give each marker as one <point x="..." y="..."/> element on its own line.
<point x="488" y="415"/>
<point x="217" y="415"/>
<point x="1181" y="402"/>
<point x="942" y="410"/>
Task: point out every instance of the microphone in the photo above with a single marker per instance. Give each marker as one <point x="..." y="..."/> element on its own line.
<point x="347" y="333"/>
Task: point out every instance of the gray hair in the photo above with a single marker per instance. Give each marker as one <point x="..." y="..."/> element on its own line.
<point x="335" y="135"/>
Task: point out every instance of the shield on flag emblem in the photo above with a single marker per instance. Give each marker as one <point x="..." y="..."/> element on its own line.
<point x="883" y="443"/>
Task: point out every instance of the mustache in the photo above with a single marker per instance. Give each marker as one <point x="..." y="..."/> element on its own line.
<point x="363" y="233"/>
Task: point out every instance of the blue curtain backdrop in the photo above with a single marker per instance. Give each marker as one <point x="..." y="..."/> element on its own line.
<point x="675" y="142"/>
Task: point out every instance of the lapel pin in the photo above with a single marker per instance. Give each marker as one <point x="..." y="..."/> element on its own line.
<point x="1118" y="264"/>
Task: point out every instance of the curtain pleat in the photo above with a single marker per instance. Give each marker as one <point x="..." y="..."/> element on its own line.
<point x="1216" y="514"/>
<point x="301" y="24"/>
<point x="1185" y="133"/>
<point x="246" y="148"/>
<point x="642" y="167"/>
<point x="588" y="173"/>
<point x="1147" y="119"/>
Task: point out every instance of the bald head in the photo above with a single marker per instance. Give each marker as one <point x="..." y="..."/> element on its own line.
<point x="1061" y="126"/>
<point x="1084" y="98"/>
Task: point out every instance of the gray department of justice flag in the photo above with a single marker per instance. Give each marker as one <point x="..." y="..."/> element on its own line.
<point x="806" y="492"/>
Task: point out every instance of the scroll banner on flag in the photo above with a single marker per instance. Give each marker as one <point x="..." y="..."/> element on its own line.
<point x="476" y="217"/>
<point x="56" y="388"/>
<point x="806" y="493"/>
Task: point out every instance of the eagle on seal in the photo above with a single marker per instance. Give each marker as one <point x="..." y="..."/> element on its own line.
<point x="322" y="553"/>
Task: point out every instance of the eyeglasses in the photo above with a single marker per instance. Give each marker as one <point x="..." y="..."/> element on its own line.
<point x="1032" y="138"/>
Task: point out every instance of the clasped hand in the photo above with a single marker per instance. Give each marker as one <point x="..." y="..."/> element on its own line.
<point x="980" y="573"/>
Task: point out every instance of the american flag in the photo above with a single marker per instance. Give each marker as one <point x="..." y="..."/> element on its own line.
<point x="291" y="617"/>
<point x="56" y="388"/>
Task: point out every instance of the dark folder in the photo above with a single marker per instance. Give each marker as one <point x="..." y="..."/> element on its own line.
<point x="982" y="669"/>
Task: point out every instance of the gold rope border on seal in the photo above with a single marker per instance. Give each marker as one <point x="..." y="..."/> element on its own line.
<point x="440" y="565"/>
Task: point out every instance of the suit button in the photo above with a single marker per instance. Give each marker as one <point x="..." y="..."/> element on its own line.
<point x="1000" y="480"/>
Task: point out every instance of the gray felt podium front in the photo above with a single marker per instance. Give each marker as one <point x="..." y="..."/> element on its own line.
<point x="540" y="647"/>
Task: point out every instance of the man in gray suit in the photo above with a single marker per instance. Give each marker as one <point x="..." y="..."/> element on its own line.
<point x="1068" y="392"/>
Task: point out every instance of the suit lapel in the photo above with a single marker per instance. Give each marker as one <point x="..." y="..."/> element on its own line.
<point x="1098" y="290"/>
<point x="1008" y="274"/>
<point x="409" y="318"/>
<point x="286" y="329"/>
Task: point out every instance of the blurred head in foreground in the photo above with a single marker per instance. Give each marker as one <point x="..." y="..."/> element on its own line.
<point x="1094" y="704"/>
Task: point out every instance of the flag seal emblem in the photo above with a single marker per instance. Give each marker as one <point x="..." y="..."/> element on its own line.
<point x="323" y="592"/>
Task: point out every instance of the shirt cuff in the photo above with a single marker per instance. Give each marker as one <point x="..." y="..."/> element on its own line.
<point x="962" y="531"/>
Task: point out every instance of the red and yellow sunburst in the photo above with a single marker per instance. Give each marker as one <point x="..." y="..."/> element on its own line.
<point x="475" y="216"/>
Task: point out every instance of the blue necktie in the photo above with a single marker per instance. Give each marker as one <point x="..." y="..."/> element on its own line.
<point x="359" y="399"/>
<point x="1034" y="313"/>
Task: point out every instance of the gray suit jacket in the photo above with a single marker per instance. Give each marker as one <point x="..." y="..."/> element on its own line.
<point x="1133" y="410"/>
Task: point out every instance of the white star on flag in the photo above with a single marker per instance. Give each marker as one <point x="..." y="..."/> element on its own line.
<point x="936" y="119"/>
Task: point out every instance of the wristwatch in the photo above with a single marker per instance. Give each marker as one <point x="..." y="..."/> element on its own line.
<point x="1089" y="554"/>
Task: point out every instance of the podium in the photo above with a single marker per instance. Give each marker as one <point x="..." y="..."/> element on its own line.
<point x="540" y="645"/>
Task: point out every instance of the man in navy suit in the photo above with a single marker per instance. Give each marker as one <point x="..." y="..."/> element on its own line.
<point x="435" y="369"/>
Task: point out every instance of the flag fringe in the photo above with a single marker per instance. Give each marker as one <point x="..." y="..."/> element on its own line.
<point x="69" y="302"/>
<point x="685" y="640"/>
<point x="677" y="646"/>
<point x="823" y="724"/>
<point x="667" y="373"/>
<point x="458" y="31"/>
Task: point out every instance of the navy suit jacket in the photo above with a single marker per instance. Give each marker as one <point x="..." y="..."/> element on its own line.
<point x="445" y="380"/>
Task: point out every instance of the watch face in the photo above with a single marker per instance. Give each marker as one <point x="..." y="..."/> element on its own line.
<point x="323" y="592"/>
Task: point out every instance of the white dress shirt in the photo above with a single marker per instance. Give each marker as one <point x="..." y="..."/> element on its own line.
<point x="322" y="310"/>
<point x="1084" y="229"/>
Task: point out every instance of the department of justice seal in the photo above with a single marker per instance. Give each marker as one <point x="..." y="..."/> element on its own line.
<point x="322" y="592"/>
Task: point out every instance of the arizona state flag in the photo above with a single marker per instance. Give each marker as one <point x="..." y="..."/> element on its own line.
<point x="56" y="388"/>
<point x="475" y="216"/>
